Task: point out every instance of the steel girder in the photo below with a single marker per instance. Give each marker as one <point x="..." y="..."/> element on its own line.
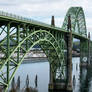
<point x="78" y="24"/>
<point x="19" y="40"/>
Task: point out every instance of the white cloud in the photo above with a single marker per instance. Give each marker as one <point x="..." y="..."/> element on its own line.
<point x="42" y="10"/>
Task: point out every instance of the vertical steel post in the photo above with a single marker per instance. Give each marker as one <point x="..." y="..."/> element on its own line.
<point x="69" y="84"/>
<point x="89" y="48"/>
<point x="8" y="50"/>
<point x="66" y="39"/>
<point x="61" y="41"/>
<point x="26" y="36"/>
<point x="51" y="84"/>
<point x="56" y="35"/>
<point x="51" y="75"/>
<point x="18" y="40"/>
<point x="80" y="52"/>
<point x="83" y="52"/>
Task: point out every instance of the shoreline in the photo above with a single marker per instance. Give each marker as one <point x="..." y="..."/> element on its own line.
<point x="34" y="60"/>
<point x="37" y="59"/>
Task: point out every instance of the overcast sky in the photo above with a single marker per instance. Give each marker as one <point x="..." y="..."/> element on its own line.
<point x="42" y="10"/>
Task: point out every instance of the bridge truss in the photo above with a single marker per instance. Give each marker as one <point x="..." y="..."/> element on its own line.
<point x="18" y="35"/>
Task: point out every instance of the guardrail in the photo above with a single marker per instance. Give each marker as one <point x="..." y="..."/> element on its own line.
<point x="21" y="18"/>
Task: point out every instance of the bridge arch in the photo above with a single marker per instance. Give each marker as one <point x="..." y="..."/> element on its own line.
<point x="51" y="39"/>
<point x="49" y="45"/>
<point x="78" y="23"/>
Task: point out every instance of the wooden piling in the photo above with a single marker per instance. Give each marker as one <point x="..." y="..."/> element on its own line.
<point x="27" y="82"/>
<point x="36" y="80"/>
<point x="13" y="86"/>
<point x="18" y="84"/>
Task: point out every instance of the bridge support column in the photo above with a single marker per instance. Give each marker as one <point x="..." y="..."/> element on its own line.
<point x="90" y="52"/>
<point x="83" y="53"/>
<point x="60" y="84"/>
<point x="55" y="85"/>
<point x="69" y="57"/>
<point x="8" y="50"/>
<point x="55" y="82"/>
<point x="89" y="49"/>
<point x="51" y="78"/>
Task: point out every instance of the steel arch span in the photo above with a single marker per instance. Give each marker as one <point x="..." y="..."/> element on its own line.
<point x="17" y="53"/>
<point x="18" y="35"/>
<point x="78" y="23"/>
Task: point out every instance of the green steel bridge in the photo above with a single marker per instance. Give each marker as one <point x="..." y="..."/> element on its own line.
<point x="18" y="35"/>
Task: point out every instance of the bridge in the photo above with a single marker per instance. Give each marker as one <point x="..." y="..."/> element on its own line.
<point x="18" y="35"/>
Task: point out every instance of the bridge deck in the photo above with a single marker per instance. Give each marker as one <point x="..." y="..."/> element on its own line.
<point x="7" y="17"/>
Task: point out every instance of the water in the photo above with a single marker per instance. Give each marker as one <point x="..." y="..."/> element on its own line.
<point x="42" y="71"/>
<point x="82" y="80"/>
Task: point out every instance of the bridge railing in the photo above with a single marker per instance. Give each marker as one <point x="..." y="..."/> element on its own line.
<point x="21" y="18"/>
<point x="32" y="21"/>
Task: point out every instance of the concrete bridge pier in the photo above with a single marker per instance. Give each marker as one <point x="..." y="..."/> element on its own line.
<point x="56" y="85"/>
<point x="85" y="48"/>
<point x="89" y="49"/>
<point x="65" y="86"/>
<point x="69" y="57"/>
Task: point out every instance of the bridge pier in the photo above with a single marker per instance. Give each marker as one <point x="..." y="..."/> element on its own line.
<point x="69" y="57"/>
<point x="89" y="49"/>
<point x="85" y="52"/>
<point x="55" y="84"/>
<point x="64" y="85"/>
